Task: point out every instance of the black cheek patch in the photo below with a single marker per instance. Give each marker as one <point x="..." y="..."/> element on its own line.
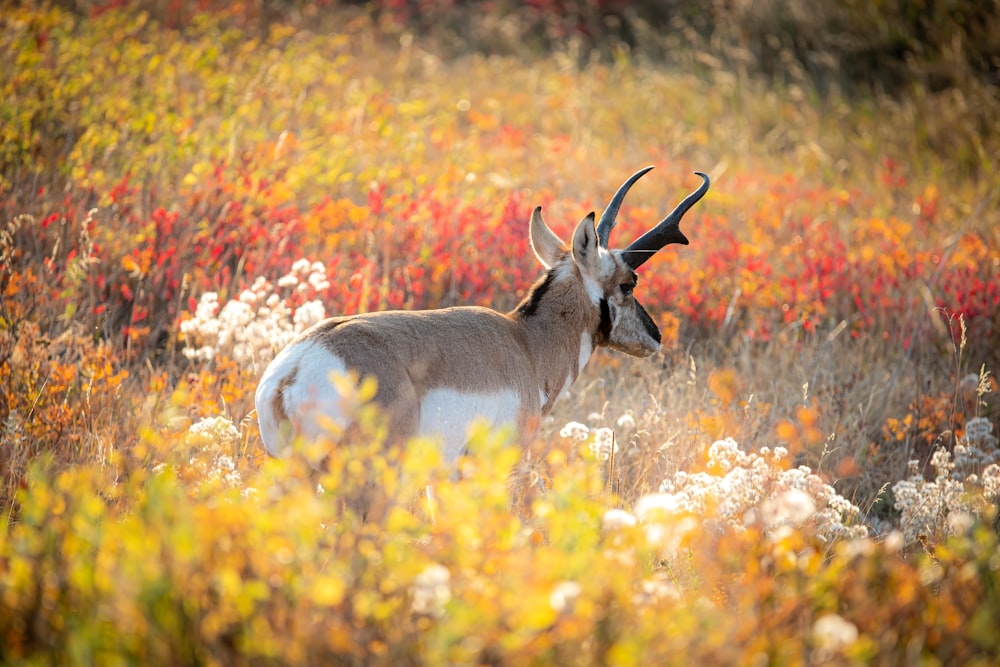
<point x="648" y="323"/>
<point x="604" y="328"/>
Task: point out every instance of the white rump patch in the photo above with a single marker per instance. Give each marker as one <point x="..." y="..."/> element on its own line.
<point x="311" y="402"/>
<point x="447" y="414"/>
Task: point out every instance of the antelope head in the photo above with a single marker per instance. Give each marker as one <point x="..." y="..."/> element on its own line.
<point x="609" y="275"/>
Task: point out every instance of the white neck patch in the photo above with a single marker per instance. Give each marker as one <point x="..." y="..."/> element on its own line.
<point x="586" y="351"/>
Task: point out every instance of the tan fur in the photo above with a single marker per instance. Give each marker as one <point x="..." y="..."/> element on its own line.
<point x="465" y="348"/>
<point x="553" y="334"/>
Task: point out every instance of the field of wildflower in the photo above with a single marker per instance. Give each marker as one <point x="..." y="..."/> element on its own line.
<point x="807" y="474"/>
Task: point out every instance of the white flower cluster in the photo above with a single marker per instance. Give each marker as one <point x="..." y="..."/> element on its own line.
<point x="755" y="487"/>
<point x="260" y="321"/>
<point x="212" y="438"/>
<point x="564" y="596"/>
<point x="600" y="441"/>
<point x="431" y="590"/>
<point x="977" y="450"/>
<point x="745" y="489"/>
<point x="212" y="433"/>
<point x="575" y="431"/>
<point x="933" y="510"/>
<point x="831" y="632"/>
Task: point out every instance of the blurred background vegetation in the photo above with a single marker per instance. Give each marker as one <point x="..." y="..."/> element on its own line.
<point x="891" y="46"/>
<point x="939" y="59"/>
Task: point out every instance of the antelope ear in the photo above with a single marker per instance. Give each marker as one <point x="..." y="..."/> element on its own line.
<point x="585" y="244"/>
<point x="548" y="247"/>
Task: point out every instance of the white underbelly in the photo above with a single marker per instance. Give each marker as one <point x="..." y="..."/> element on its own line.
<point x="447" y="414"/>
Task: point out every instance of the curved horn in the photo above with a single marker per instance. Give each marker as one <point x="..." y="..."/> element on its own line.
<point x="666" y="231"/>
<point x="608" y="218"/>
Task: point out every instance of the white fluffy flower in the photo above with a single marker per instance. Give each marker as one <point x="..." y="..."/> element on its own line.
<point x="575" y="431"/>
<point x="617" y="519"/>
<point x="212" y="431"/>
<point x="790" y="508"/>
<point x="251" y="328"/>
<point x="979" y="433"/>
<point x="603" y="445"/>
<point x="431" y="590"/>
<point x="210" y="439"/>
<point x="308" y="314"/>
<point x="659" y="505"/>
<point x="832" y="632"/>
<point x="626" y="422"/>
<point x="564" y="596"/>
<point x="945" y="506"/>
<point x="666" y="518"/>
<point x="747" y="486"/>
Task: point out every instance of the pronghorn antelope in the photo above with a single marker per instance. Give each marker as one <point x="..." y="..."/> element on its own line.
<point x="438" y="370"/>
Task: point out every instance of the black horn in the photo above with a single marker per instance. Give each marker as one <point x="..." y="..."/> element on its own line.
<point x="666" y="231"/>
<point x="608" y="219"/>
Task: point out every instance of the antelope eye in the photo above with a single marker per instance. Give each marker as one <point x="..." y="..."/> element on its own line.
<point x="626" y="288"/>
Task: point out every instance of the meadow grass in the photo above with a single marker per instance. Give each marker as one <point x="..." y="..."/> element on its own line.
<point x="179" y="200"/>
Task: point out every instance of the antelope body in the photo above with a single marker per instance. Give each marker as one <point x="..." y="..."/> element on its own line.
<point x="439" y="370"/>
